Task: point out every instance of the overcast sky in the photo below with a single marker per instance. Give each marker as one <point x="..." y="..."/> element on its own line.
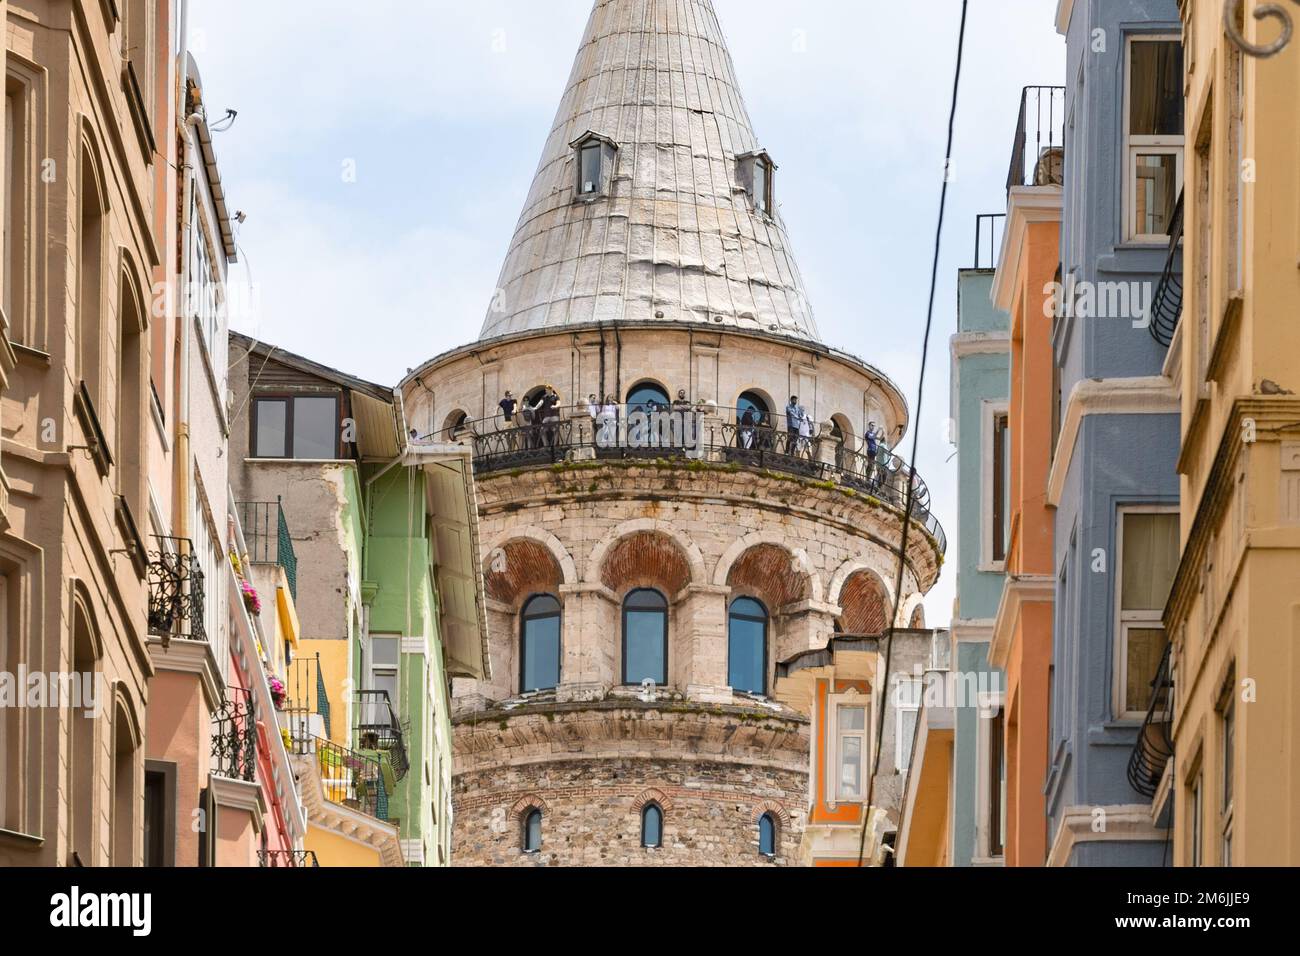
<point x="442" y="108"/>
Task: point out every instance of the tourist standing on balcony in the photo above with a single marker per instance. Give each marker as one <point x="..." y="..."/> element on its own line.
<point x="509" y="406"/>
<point x="549" y="412"/>
<point x="608" y="421"/>
<point x="869" y="466"/>
<point x="681" y="403"/>
<point x="794" y="416"/>
<point x="747" y="422"/>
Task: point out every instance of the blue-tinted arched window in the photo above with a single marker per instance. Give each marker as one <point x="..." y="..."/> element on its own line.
<point x="645" y="395"/>
<point x="754" y="402"/>
<point x="652" y="826"/>
<point x="767" y="835"/>
<point x="532" y="841"/>
<point x="747" y="646"/>
<point x="645" y="637"/>
<point x="539" y="644"/>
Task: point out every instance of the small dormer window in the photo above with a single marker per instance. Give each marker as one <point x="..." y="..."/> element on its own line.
<point x="757" y="172"/>
<point x="594" y="163"/>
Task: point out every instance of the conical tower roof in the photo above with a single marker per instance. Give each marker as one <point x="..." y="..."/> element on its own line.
<point x="672" y="234"/>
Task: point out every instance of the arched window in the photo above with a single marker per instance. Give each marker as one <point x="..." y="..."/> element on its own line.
<point x="747" y="646"/>
<point x="752" y="401"/>
<point x="652" y="826"/>
<point x="532" y="835"/>
<point x="539" y="644"/>
<point x="642" y="397"/>
<point x="456" y="424"/>
<point x="645" y="637"/>
<point x="767" y="835"/>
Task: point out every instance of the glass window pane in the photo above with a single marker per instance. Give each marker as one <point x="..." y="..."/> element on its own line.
<point x="541" y="653"/>
<point x="1146" y="645"/>
<point x="644" y="396"/>
<point x="1155" y="192"/>
<point x="850" y="767"/>
<point x="652" y="827"/>
<point x="644" y="646"/>
<point x="315" y="428"/>
<point x="853" y="718"/>
<point x="385" y="651"/>
<point x="269" y="441"/>
<point x="747" y="669"/>
<point x="1150" y="560"/>
<point x="906" y="736"/>
<point x="760" y="185"/>
<point x="590" y="169"/>
<point x="533" y="831"/>
<point x="1156" y="94"/>
<point x="766" y="836"/>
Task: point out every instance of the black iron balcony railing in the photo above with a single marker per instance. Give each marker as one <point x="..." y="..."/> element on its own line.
<point x="988" y="238"/>
<point x="716" y="434"/>
<point x="1155" y="745"/>
<point x="1167" y="301"/>
<point x="176" y="591"/>
<point x="307" y="696"/>
<point x="234" y="736"/>
<point x="266" y="532"/>
<point x="350" y="778"/>
<point x="1038" y="152"/>
<point x="379" y="728"/>
<point x="280" y="859"/>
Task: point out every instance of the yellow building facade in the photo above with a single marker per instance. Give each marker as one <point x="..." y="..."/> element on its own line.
<point x="1233" y="615"/>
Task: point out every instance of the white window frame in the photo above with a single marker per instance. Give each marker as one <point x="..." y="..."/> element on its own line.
<point x="1227" y="797"/>
<point x="1146" y="145"/>
<point x="991" y="703"/>
<point x="1125" y="620"/>
<point x="394" y="670"/>
<point x="850" y="698"/>
<point x="989" y="412"/>
<point x="903" y="752"/>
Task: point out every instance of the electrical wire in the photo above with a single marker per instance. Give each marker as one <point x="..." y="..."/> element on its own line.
<point x="916" y="437"/>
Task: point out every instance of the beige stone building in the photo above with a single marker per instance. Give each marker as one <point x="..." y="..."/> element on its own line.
<point x="658" y="530"/>
<point x="83" y="117"/>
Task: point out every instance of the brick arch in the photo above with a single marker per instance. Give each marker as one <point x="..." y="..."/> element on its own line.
<point x="770" y="573"/>
<point x="526" y="561"/>
<point x="724" y="576"/>
<point x="917" y="619"/>
<point x="844" y="571"/>
<point x="527" y="802"/>
<point x="771" y="806"/>
<point x="655" y="796"/>
<point x="908" y="613"/>
<point x="645" y="559"/>
<point x="672" y="547"/>
<point x="864" y="604"/>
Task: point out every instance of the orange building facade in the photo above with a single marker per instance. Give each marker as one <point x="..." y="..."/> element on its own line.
<point x="1022" y="635"/>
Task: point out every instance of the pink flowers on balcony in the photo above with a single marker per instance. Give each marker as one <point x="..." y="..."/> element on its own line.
<point x="279" y="693"/>
<point x="251" y="600"/>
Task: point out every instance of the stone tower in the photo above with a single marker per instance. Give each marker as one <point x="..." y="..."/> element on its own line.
<point x="647" y="567"/>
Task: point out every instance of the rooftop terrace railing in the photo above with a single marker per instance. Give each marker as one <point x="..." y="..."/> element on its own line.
<point x="1038" y="151"/>
<point x="266" y="532"/>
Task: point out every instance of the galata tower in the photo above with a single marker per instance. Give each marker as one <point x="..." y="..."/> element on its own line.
<point x="675" y="485"/>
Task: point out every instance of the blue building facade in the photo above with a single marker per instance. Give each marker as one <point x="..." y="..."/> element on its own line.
<point x="1113" y="480"/>
<point x="979" y="398"/>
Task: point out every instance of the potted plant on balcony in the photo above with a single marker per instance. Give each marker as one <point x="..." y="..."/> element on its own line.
<point x="251" y="600"/>
<point x="279" y="693"/>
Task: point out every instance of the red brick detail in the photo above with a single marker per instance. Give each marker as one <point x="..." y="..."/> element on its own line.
<point x="529" y="568"/>
<point x="646" y="559"/>
<point x="652" y="795"/>
<point x="769" y="573"/>
<point x="864" y="604"/>
<point x="774" y="808"/>
<point x="529" y="801"/>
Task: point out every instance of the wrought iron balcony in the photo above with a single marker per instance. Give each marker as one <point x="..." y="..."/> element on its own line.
<point x="1155" y="745"/>
<point x="351" y="778"/>
<point x="715" y="434"/>
<point x="176" y="592"/>
<point x="280" y="859"/>
<point x="1167" y="302"/>
<point x="1038" y="152"/>
<point x="308" y="698"/>
<point x="266" y="532"/>
<point x="234" y="736"/>
<point x="379" y="728"/>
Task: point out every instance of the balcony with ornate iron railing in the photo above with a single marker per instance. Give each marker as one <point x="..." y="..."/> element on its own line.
<point x="281" y="859"/>
<point x="1167" y="300"/>
<point x="1155" y="745"/>
<point x="307" y="710"/>
<point x="349" y="777"/>
<point x="266" y="533"/>
<point x="234" y="736"/>
<point x="380" y="729"/>
<point x="176" y="596"/>
<point x="757" y="441"/>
